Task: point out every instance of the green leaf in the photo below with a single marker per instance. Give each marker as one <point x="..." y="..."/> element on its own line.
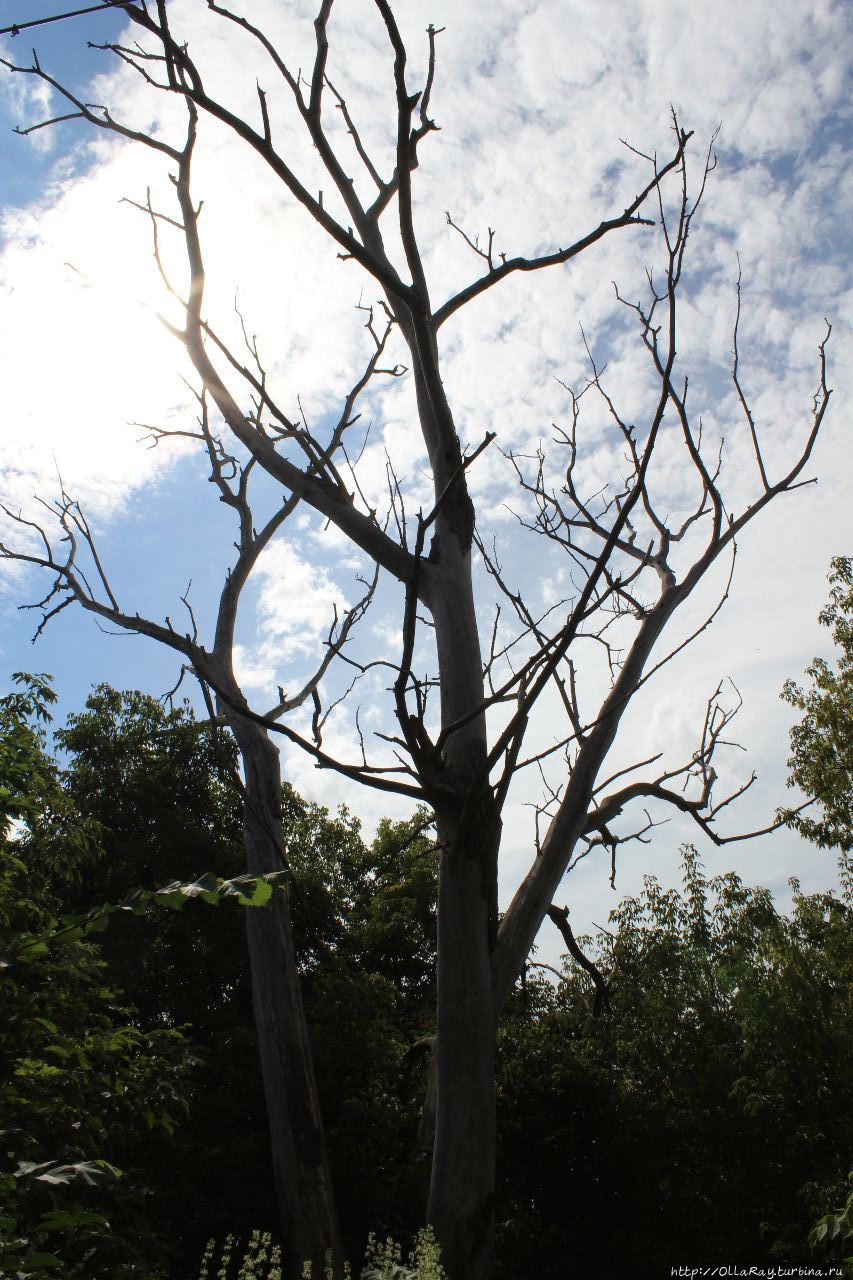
<point x="58" y="1174"/>
<point x="259" y="895"/>
<point x="98" y="924"/>
<point x="248" y="890"/>
<point x="58" y="1050"/>
<point x="76" y="1217"/>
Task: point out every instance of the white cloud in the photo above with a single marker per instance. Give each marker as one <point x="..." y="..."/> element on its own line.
<point x="28" y="100"/>
<point x="295" y="610"/>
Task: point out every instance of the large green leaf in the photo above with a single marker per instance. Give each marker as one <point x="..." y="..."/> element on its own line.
<point x="247" y="890"/>
<point x="57" y="1174"/>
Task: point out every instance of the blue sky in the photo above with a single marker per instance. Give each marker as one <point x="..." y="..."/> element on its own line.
<point x="532" y="106"/>
<point x="62" y="46"/>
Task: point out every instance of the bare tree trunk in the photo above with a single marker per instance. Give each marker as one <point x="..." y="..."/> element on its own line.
<point x="300" y="1163"/>
<point x="461" y="1202"/>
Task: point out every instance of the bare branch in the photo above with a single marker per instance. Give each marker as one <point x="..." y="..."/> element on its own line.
<point x="629" y="217"/>
<point x="560" y="917"/>
<point x="17" y="27"/>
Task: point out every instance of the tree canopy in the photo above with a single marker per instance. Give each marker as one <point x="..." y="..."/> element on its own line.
<point x="701" y="1111"/>
<point x="85" y="1083"/>
<point x="703" y="1116"/>
<point x="821" y="761"/>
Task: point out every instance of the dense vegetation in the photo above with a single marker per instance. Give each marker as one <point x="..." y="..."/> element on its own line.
<point x="703" y="1117"/>
<point x="86" y="1085"/>
<point x="700" y="1114"/>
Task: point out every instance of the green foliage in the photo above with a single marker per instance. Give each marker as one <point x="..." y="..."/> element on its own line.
<point x="248" y="891"/>
<point x="375" y="905"/>
<point x="260" y="1260"/>
<point x="156" y="785"/>
<point x="328" y="1270"/>
<point x="821" y="760"/>
<point x="82" y="1085"/>
<point x="145" y="796"/>
<point x="704" y="1113"/>
<point x="701" y="1115"/>
<point x="369" y="995"/>
<point x="383" y="1260"/>
<point x="27" y="779"/>
<point x="836" y="1226"/>
<point x="67" y="1227"/>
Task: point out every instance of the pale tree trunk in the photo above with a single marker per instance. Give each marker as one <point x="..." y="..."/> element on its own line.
<point x="461" y="1202"/>
<point x="462" y="1182"/>
<point x="301" y="1169"/>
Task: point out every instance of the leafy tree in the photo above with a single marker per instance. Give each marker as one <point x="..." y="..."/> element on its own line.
<point x="370" y="1002"/>
<point x="157" y="785"/>
<point x="83" y="1083"/>
<point x="703" y="1111"/>
<point x="836" y="1227"/>
<point x="160" y="788"/>
<point x="821" y="759"/>
<point x="704" y="1115"/>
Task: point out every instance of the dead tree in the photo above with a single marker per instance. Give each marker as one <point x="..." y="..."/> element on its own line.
<point x="634" y="566"/>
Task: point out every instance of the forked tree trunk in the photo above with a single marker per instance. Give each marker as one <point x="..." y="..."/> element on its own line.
<point x="301" y="1169"/>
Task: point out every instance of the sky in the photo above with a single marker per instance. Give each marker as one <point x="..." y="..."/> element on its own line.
<point x="533" y="106"/>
